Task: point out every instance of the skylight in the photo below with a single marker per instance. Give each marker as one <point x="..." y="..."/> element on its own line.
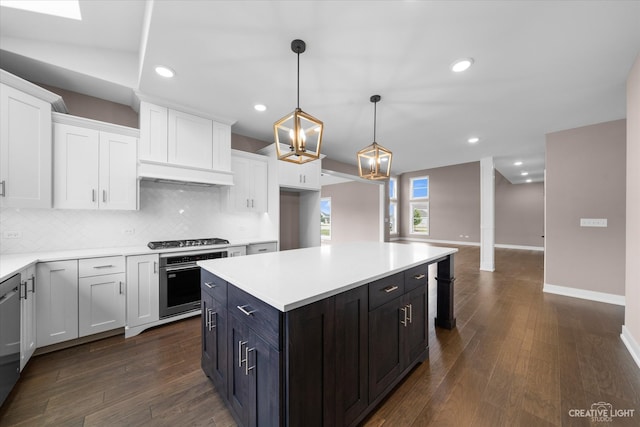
<point x="63" y="8"/>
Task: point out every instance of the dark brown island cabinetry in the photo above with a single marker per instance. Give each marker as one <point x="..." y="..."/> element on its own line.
<point x="327" y="363"/>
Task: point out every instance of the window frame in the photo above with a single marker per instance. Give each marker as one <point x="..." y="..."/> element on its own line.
<point x="327" y="236"/>
<point x="393" y="206"/>
<point x="420" y="203"/>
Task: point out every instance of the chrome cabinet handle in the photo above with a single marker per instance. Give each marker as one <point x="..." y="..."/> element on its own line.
<point x="418" y="276"/>
<point x="247" y="368"/>
<point x="20" y="290"/>
<point x="210" y="316"/>
<point x="240" y="359"/>
<point x="247" y="202"/>
<point x="155" y="267"/>
<point x="3" y="183"/>
<point x="104" y="196"/>
<point x="33" y="283"/>
<point x="93" y="194"/>
<point x="390" y="288"/>
<point x="243" y="308"/>
<point x="210" y="285"/>
<point x="103" y="266"/>
<point x="121" y="288"/>
<point x="409" y="310"/>
<point x="251" y="202"/>
<point x="403" y="322"/>
<point x="262" y="250"/>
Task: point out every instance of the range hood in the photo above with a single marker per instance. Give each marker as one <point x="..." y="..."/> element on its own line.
<point x="179" y="174"/>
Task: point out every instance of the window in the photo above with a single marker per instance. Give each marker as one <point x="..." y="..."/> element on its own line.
<point x="393" y="206"/>
<point x="419" y="204"/>
<point x="325" y="218"/>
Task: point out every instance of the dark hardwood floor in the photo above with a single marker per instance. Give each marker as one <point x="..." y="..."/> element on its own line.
<point x="518" y="357"/>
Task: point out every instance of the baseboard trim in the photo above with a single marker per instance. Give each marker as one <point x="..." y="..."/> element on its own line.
<point x="522" y="247"/>
<point x="445" y="242"/>
<point x="631" y="344"/>
<point x="584" y="294"/>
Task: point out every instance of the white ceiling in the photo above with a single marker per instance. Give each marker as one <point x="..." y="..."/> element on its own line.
<point x="540" y="66"/>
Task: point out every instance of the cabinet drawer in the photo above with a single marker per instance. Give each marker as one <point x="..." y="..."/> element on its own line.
<point x="214" y="286"/>
<point x="258" y="315"/>
<point x="385" y="289"/>
<point x="261" y="248"/>
<point x="99" y="266"/>
<point x="416" y="277"/>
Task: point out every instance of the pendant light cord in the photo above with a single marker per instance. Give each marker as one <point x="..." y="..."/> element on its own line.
<point x="298" y="80"/>
<point x="375" y="104"/>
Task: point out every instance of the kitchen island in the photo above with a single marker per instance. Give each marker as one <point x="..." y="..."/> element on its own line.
<point x="319" y="336"/>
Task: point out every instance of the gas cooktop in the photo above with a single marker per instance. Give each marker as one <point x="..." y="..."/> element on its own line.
<point x="166" y="244"/>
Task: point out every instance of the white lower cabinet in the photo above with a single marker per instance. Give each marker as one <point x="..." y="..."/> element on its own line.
<point x="236" y="251"/>
<point x="261" y="248"/>
<point x="143" y="290"/>
<point x="101" y="295"/>
<point x="57" y="302"/>
<point x="27" y="315"/>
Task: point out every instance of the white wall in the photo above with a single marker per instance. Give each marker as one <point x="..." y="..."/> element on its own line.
<point x="167" y="211"/>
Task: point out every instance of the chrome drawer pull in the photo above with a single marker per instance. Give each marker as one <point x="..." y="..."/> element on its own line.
<point x="262" y="250"/>
<point x="410" y="311"/>
<point x="243" y="308"/>
<point x="103" y="266"/>
<point x="403" y="322"/>
<point x="210" y="316"/>
<point x="418" y="276"/>
<point x="390" y="288"/>
<point x="3" y="183"/>
<point x="210" y="285"/>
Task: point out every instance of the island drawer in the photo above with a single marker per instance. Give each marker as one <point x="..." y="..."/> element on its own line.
<point x="214" y="286"/>
<point x="258" y="315"/>
<point x="384" y="290"/>
<point x="416" y="277"/>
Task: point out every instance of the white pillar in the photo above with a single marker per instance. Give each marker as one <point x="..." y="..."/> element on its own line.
<point x="487" y="214"/>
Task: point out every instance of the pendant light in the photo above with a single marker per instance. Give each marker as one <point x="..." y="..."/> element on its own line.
<point x="374" y="161"/>
<point x="298" y="135"/>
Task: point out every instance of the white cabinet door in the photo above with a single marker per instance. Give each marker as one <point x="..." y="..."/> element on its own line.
<point x="153" y="132"/>
<point x="94" y="169"/>
<point x="76" y="159"/>
<point x="25" y="150"/>
<point x="250" y="190"/>
<point x="143" y="290"/>
<point x="57" y="302"/>
<point x="221" y="147"/>
<point x="101" y="303"/>
<point x="305" y="176"/>
<point x="118" y="181"/>
<point x="190" y="140"/>
<point x="236" y="251"/>
<point x="27" y="315"/>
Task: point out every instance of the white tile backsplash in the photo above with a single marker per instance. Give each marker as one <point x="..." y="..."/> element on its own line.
<point x="167" y="211"/>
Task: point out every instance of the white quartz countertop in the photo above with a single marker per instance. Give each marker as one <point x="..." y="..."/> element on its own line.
<point x="11" y="264"/>
<point x="291" y="279"/>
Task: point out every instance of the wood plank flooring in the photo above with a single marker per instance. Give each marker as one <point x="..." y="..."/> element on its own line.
<point x="518" y="357"/>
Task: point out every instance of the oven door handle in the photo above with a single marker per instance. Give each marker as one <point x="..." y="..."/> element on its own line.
<point x="184" y="267"/>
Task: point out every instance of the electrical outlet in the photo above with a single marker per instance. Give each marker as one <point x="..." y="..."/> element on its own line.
<point x="593" y="222"/>
<point x="12" y="234"/>
<point x="129" y="231"/>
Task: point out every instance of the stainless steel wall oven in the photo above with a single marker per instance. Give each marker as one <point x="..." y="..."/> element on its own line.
<point x="180" y="280"/>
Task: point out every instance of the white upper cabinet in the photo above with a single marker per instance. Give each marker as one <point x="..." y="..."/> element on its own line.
<point x="185" y="147"/>
<point x="305" y="176"/>
<point x="153" y="132"/>
<point x="25" y="150"/>
<point x="190" y="140"/>
<point x="94" y="169"/>
<point x="250" y="190"/>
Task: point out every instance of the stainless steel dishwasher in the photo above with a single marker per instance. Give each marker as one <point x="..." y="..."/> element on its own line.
<point x="9" y="335"/>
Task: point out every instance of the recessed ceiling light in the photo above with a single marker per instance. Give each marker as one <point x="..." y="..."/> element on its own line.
<point x="461" y="65"/>
<point x="524" y="173"/>
<point x="473" y="140"/>
<point x="65" y="9"/>
<point x="165" y="71"/>
<point x="518" y="163"/>
<point x="260" y="107"/>
<point x="529" y="180"/>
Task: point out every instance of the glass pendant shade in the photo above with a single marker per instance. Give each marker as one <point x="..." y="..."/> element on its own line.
<point x="298" y="137"/>
<point x="374" y="162"/>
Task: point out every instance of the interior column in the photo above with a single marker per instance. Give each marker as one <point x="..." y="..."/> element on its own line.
<point x="487" y="214"/>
